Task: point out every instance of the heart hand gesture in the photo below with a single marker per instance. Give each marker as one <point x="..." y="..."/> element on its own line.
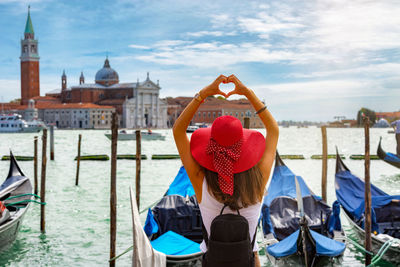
<point x="213" y="88"/>
<point x="240" y="88"/>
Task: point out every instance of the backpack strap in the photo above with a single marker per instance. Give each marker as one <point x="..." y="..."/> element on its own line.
<point x="225" y="205"/>
<point x="254" y="239"/>
<point x="205" y="235"/>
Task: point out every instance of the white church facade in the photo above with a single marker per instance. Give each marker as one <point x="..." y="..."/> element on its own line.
<point x="145" y="109"/>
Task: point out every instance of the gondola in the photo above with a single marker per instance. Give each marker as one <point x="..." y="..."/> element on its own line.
<point x="173" y="228"/>
<point x="15" y="193"/>
<point x="385" y="210"/>
<point x="390" y="158"/>
<point x="298" y="227"/>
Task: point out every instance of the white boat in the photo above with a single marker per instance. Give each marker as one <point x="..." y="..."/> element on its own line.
<point x="146" y="135"/>
<point x="13" y="123"/>
<point x="192" y="128"/>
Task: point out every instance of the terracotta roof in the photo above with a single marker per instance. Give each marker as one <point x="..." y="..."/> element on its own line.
<point x="111" y="101"/>
<point x="388" y="114"/>
<point x="44" y="105"/>
<point x="45" y="98"/>
<point x="50" y="105"/>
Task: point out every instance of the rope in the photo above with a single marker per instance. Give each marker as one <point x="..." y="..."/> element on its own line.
<point x="359" y="246"/>
<point x="150" y="206"/>
<point x="123" y="253"/>
<point x="383" y="250"/>
<point x="17" y="196"/>
<point x="24" y="201"/>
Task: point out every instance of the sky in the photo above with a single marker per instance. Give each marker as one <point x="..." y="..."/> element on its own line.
<point x="308" y="60"/>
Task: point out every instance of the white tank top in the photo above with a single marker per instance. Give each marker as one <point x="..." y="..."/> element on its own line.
<point x="210" y="208"/>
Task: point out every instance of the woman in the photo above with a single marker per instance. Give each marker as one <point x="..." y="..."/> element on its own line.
<point x="225" y="163"/>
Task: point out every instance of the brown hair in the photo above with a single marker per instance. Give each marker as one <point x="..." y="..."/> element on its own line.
<point x="247" y="188"/>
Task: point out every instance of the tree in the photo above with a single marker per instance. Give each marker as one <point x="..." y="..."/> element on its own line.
<point x="367" y="113"/>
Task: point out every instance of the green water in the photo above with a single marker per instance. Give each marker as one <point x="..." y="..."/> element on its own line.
<point x="77" y="217"/>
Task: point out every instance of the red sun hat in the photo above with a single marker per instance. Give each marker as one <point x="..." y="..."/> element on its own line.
<point x="227" y="148"/>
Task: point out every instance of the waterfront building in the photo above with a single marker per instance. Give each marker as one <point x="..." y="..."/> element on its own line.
<point x="62" y="115"/>
<point x="214" y="107"/>
<point x="389" y="116"/>
<point x="145" y="109"/>
<point x="137" y="103"/>
<point x="78" y="115"/>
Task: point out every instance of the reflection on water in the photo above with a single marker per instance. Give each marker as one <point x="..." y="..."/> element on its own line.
<point x="77" y="217"/>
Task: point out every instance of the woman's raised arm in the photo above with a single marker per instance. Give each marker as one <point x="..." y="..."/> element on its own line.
<point x="266" y="161"/>
<point x="181" y="139"/>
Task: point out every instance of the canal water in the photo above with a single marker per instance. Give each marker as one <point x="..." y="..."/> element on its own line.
<point x="77" y="217"/>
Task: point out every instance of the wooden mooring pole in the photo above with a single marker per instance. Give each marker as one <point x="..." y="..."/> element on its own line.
<point x="113" y="194"/>
<point x="51" y="142"/>
<point x="43" y="182"/>
<point x="367" y="224"/>
<point x="324" y="163"/>
<point x="78" y="160"/>
<point x="138" y="165"/>
<point x="35" y="165"/>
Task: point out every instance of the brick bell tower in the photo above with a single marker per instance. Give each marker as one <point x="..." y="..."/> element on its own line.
<point x="29" y="63"/>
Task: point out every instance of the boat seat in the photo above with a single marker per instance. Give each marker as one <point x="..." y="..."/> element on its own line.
<point x="285" y="216"/>
<point x="180" y="215"/>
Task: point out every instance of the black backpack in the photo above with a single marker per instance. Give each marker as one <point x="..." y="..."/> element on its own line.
<point x="229" y="243"/>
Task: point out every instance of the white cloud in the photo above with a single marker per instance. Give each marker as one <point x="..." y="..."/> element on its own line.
<point x="211" y="33"/>
<point x="144" y="47"/>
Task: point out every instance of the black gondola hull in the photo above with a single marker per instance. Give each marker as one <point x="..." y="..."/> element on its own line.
<point x="384" y="156"/>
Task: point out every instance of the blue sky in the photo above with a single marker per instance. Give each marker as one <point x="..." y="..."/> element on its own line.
<point x="309" y="60"/>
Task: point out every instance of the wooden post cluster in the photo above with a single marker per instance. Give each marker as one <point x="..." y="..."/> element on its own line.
<point x="78" y="160"/>
<point x="51" y="142"/>
<point x="367" y="224"/>
<point x="138" y="166"/>
<point x="113" y="194"/>
<point x="324" y="164"/>
<point x="35" y="165"/>
<point x="43" y="182"/>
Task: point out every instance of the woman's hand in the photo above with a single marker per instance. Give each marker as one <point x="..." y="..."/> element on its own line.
<point x="240" y="88"/>
<point x="213" y="88"/>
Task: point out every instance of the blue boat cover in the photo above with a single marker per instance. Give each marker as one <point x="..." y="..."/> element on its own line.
<point x="181" y="185"/>
<point x="283" y="184"/>
<point x="150" y="226"/>
<point x="286" y="247"/>
<point x="324" y="246"/>
<point x="350" y="194"/>
<point x="171" y="243"/>
<point x="391" y="157"/>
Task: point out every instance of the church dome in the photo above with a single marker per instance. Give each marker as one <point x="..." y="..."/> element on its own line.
<point x="106" y="76"/>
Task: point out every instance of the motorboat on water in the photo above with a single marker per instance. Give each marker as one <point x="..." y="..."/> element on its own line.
<point x="13" y="123"/>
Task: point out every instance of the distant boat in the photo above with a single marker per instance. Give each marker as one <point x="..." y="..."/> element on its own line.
<point x="385" y="208"/>
<point x="15" y="193"/>
<point x="192" y="128"/>
<point x="145" y="135"/>
<point x="295" y="232"/>
<point x="388" y="157"/>
<point x="13" y="123"/>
